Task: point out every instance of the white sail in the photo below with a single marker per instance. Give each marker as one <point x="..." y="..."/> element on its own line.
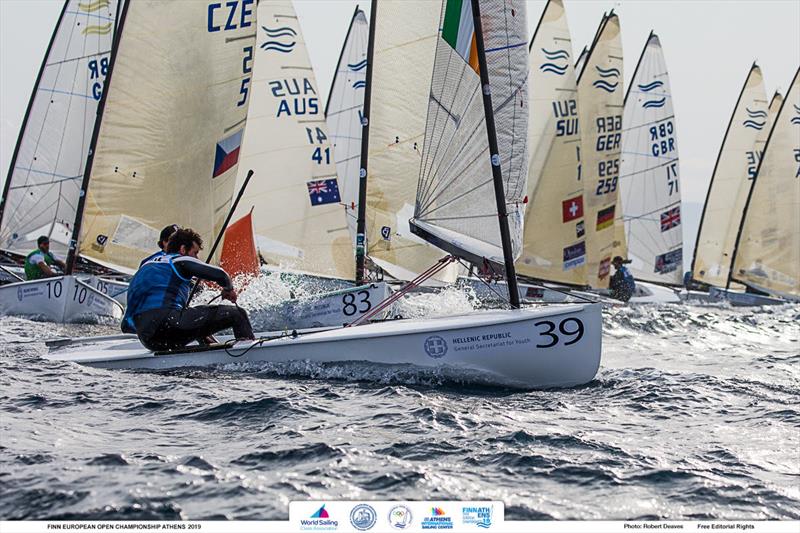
<point x="405" y="45"/>
<point x="730" y="184"/>
<point x="554" y="246"/>
<point x="295" y="194"/>
<point x="170" y="131"/>
<point x="601" y="96"/>
<point x="344" y="111"/>
<point x="44" y="181"/>
<point x="456" y="203"/>
<point x="650" y="172"/>
<point x="768" y="252"/>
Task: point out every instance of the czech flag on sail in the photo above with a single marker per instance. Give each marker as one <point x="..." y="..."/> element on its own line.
<point x="323" y="192"/>
<point x="459" y="31"/>
<point x="227" y="153"/>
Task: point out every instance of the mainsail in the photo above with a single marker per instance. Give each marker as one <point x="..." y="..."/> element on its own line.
<point x="456" y="205"/>
<point x="167" y="141"/>
<point x="44" y="180"/>
<point x="298" y="214"/>
<point x="601" y="96"/>
<point x="730" y="184"/>
<point x="406" y="33"/>
<point x="767" y="255"/>
<point x="344" y="112"/>
<point x="554" y="247"/>
<point x="650" y="172"/>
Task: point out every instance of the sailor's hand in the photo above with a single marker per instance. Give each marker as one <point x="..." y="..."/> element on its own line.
<point x="229" y="294"/>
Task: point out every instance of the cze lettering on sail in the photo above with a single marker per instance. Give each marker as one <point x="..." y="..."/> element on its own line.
<point x="230" y="15"/>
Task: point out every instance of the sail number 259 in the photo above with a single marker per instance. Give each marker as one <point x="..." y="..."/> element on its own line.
<point x="570" y="328"/>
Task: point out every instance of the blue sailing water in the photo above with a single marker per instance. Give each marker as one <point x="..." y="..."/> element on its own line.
<point x="694" y="414"/>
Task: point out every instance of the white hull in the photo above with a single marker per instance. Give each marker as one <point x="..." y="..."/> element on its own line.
<point x="743" y="299"/>
<point x="58" y="299"/>
<point x="527" y="348"/>
<point x="333" y="309"/>
<point x="651" y="293"/>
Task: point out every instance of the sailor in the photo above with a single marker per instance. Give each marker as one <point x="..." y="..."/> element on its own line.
<point x="38" y="262"/>
<point x="166" y="233"/>
<point x="622" y="284"/>
<point x="159" y="291"/>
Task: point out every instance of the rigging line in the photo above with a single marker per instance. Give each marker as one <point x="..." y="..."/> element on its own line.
<point x="489" y="215"/>
<point x="80" y="58"/>
<point x="340" y="111"/>
<point x="63" y="178"/>
<point x="643" y="124"/>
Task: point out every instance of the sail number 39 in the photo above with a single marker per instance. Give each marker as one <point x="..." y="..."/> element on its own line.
<point x="570" y="329"/>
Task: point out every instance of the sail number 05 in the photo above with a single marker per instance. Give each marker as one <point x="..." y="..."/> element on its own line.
<point x="551" y="333"/>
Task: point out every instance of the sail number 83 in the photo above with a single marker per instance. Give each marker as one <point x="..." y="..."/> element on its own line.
<point x="570" y="328"/>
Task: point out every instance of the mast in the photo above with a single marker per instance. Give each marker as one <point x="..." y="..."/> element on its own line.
<point x="499" y="193"/>
<point x="339" y="62"/>
<point x="72" y="256"/>
<point x="7" y="185"/>
<point x="638" y="64"/>
<point x="714" y="173"/>
<point x="361" y="224"/>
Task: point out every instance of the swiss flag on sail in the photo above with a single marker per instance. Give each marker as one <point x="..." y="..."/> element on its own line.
<point x="572" y="208"/>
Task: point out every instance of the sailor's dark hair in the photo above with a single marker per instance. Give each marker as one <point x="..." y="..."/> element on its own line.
<point x="183" y="237"/>
<point x="166" y="233"/>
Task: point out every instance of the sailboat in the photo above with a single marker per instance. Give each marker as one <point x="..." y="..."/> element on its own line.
<point x="299" y="217"/>
<point x="528" y="348"/>
<point x="44" y="183"/>
<point x="766" y="254"/>
<point x="649" y="180"/>
<point x="735" y="169"/>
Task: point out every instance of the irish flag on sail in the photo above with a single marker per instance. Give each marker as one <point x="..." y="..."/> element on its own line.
<point x="459" y="32"/>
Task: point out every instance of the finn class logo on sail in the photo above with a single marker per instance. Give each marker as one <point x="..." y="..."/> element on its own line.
<point x="609" y="79"/>
<point x="656" y="102"/>
<point x="796" y="120"/>
<point x="755" y="119"/>
<point x="278" y="39"/>
<point x="358" y="68"/>
<point x="550" y="66"/>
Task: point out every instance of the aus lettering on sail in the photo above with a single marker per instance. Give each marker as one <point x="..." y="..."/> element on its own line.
<point x="297" y="97"/>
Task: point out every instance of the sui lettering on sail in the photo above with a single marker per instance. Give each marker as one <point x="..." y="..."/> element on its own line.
<point x="566" y="114"/>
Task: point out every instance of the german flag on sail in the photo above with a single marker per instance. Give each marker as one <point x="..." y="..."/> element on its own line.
<point x="459" y="31"/>
<point x="605" y="218"/>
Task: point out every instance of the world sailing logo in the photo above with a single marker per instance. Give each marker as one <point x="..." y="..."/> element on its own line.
<point x="549" y="66"/>
<point x="756" y="119"/>
<point x="273" y="44"/>
<point x="609" y="81"/>
<point x="796" y="120"/>
<point x="646" y="88"/>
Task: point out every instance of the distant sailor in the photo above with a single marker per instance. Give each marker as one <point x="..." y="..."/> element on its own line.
<point x="38" y="262"/>
<point x="160" y="290"/>
<point x="166" y="233"/>
<point x="622" y="284"/>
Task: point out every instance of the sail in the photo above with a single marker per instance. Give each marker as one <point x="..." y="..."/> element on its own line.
<point x="295" y="195"/>
<point x="601" y="97"/>
<point x="456" y="205"/>
<point x="730" y="184"/>
<point x="344" y="111"/>
<point x="554" y="248"/>
<point x="768" y="252"/>
<point x="170" y="131"/>
<point x="405" y="45"/>
<point x="239" y="256"/>
<point x="44" y="181"/>
<point x="650" y="172"/>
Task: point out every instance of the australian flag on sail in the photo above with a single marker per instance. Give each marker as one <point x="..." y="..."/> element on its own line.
<point x="669" y="262"/>
<point x="670" y="218"/>
<point x="323" y="192"/>
<point x="227" y="154"/>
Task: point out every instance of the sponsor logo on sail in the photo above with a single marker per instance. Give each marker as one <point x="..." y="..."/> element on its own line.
<point x="400" y="517"/>
<point x="580" y="229"/>
<point x="320" y="520"/>
<point x="477" y="516"/>
<point x="572" y="208"/>
<point x="363" y="517"/>
<point x="605" y="218"/>
<point x="605" y="268"/>
<point x="386" y="233"/>
<point x="282" y="39"/>
<point x="438" y="519"/>
<point x="609" y="79"/>
<point x="101" y="239"/>
<point x="755" y="119"/>
<point x="435" y="347"/>
<point x="669" y="261"/>
<point x="670" y="218"/>
<point x="550" y="64"/>
<point x="322" y="192"/>
<point x="574" y="256"/>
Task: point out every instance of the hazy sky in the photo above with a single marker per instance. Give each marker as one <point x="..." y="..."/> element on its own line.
<point x="709" y="47"/>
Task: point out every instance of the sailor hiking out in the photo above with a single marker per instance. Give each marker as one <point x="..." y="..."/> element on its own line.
<point x="163" y="238"/>
<point x="39" y="261"/>
<point x="159" y="292"/>
<point x="622" y="284"/>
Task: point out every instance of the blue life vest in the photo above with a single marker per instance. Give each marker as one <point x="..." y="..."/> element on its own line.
<point x="151" y="257"/>
<point x="157" y="285"/>
<point x="627" y="279"/>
